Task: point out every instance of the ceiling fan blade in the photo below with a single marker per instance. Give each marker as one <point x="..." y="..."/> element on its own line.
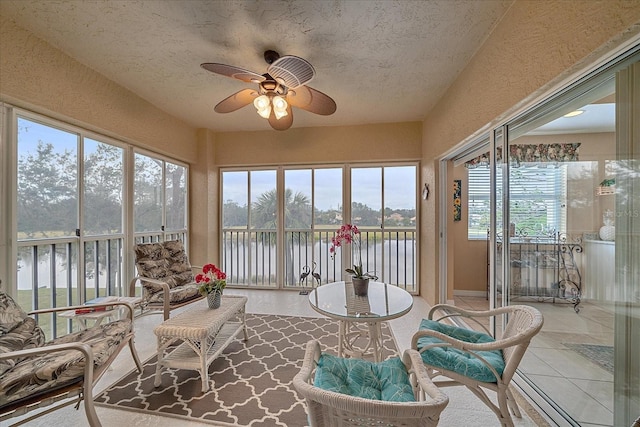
<point x="233" y="72"/>
<point x="236" y="101"/>
<point x="284" y="123"/>
<point x="312" y="100"/>
<point x="291" y="71"/>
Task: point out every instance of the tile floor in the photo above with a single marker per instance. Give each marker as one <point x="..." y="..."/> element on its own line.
<point x="583" y="388"/>
<point x="464" y="408"/>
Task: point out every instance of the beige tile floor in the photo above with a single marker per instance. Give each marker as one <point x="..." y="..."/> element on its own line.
<point x="575" y="383"/>
<point x="464" y="408"/>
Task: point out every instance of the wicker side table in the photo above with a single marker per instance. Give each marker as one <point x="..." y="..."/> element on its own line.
<point x="204" y="333"/>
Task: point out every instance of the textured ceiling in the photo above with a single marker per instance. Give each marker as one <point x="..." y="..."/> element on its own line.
<point x="382" y="61"/>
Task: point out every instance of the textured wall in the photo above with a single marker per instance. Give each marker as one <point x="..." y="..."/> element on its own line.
<point x="536" y="45"/>
<point x="37" y="76"/>
<point x="376" y="142"/>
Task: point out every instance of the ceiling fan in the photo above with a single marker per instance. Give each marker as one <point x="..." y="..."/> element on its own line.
<point x="282" y="86"/>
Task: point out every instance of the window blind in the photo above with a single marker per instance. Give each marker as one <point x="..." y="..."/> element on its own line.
<point x="537" y="197"/>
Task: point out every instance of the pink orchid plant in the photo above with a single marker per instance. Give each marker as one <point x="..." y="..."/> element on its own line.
<point x="346" y="234"/>
<point x="212" y="279"/>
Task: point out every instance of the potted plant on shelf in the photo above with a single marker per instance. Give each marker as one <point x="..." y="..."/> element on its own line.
<point x="211" y="283"/>
<point x="346" y="234"/>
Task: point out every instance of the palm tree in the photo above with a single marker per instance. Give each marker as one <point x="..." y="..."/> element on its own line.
<point x="297" y="214"/>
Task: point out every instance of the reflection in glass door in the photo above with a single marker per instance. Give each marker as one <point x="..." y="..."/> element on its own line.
<point x="571" y="181"/>
<point x="559" y="254"/>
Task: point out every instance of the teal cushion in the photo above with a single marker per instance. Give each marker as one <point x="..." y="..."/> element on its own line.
<point x="459" y="361"/>
<point x="388" y="380"/>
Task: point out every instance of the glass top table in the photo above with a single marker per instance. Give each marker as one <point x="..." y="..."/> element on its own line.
<point x="360" y="316"/>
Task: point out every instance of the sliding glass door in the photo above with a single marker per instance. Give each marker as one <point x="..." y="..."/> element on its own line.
<point x="556" y="192"/>
<point x="570" y="246"/>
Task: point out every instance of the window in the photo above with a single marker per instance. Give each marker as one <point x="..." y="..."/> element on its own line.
<point x="538" y="194"/>
<point x="72" y="210"/>
<point x="63" y="257"/>
<point x="160" y="198"/>
<point x="277" y="224"/>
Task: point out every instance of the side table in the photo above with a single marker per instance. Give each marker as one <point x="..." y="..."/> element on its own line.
<point x="98" y="316"/>
<point x="204" y="333"/>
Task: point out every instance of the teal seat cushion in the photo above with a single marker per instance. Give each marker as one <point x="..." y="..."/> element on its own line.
<point x="388" y="380"/>
<point x="456" y="360"/>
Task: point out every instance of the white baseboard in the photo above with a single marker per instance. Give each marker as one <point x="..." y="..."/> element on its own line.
<point x="465" y="293"/>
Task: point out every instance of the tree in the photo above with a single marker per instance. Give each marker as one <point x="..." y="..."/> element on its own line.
<point x="297" y="215"/>
<point x="103" y="175"/>
<point x="234" y="215"/>
<point x="47" y="192"/>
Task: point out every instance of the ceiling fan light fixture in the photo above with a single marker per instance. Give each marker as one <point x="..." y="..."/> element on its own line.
<point x="279" y="107"/>
<point x="262" y="104"/>
<point x="282" y="87"/>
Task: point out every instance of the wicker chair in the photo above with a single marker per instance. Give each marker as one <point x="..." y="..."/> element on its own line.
<point x="166" y="276"/>
<point x="474" y="359"/>
<point x="329" y="408"/>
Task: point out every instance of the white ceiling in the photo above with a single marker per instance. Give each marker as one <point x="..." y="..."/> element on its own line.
<point x="382" y="61"/>
<point x="595" y="118"/>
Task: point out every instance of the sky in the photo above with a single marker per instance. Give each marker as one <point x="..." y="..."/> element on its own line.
<point x="399" y="182"/>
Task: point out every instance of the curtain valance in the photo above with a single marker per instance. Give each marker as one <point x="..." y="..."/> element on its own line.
<point x="531" y="153"/>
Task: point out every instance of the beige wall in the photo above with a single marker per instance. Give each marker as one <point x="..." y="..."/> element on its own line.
<point x="536" y="46"/>
<point x="470" y="275"/>
<point x="36" y="76"/>
<point x="376" y="142"/>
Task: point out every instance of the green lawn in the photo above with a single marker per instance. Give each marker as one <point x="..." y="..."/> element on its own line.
<point x="44" y="301"/>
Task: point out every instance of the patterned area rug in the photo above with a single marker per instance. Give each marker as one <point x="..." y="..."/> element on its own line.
<point x="251" y="382"/>
<point x="601" y="355"/>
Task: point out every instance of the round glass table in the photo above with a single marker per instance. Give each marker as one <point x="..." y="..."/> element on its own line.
<point x="360" y="316"/>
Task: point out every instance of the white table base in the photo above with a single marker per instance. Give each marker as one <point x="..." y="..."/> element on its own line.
<point x="352" y="334"/>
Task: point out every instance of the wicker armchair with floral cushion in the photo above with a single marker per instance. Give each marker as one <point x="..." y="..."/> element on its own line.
<point x="356" y="392"/>
<point x="166" y="276"/>
<point x="36" y="374"/>
<point x="460" y="356"/>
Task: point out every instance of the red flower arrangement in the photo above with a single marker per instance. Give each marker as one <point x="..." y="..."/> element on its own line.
<point x="212" y="279"/>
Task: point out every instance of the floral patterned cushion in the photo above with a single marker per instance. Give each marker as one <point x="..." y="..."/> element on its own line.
<point x="24" y="336"/>
<point x="17" y="331"/>
<point x="11" y="315"/>
<point x="387" y="381"/>
<point x="176" y="295"/>
<point x="460" y="361"/>
<point x="39" y="374"/>
<point x="165" y="261"/>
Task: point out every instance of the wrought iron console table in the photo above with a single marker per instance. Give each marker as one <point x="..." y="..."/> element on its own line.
<point x="545" y="267"/>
